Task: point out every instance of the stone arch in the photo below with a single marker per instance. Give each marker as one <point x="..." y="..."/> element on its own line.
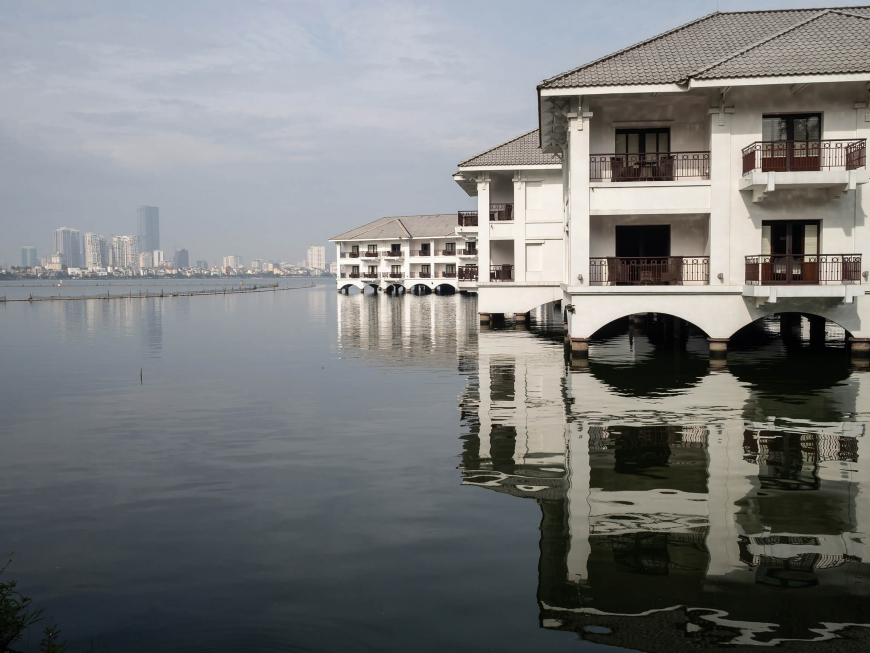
<point x="421" y="289"/>
<point x="373" y="286"/>
<point x="445" y="289"/>
<point x="395" y="289"/>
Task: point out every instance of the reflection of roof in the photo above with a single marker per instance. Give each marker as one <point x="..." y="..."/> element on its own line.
<point x="739" y="44"/>
<point x="410" y="226"/>
<point x="524" y="150"/>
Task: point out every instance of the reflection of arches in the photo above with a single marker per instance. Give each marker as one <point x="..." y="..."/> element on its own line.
<point x="445" y="289"/>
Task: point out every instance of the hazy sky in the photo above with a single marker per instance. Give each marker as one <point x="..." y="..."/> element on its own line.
<point x="260" y="127"/>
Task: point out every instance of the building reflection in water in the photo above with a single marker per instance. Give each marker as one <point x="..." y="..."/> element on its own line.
<point x="682" y="506"/>
<point x="722" y="513"/>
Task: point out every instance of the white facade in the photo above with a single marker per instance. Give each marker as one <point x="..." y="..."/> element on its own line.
<point x="96" y="252"/>
<point x="317" y="257"/>
<point x="146" y="261"/>
<point x="125" y="251"/>
<point x="232" y="262"/>
<point x="667" y="198"/>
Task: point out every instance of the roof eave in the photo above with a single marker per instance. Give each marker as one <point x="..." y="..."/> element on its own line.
<point x="820" y="78"/>
<point x="671" y="87"/>
<point x="529" y="166"/>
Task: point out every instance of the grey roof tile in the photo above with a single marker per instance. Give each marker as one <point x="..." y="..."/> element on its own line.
<point x="681" y="53"/>
<point x="519" y="151"/>
<point x="409" y="226"/>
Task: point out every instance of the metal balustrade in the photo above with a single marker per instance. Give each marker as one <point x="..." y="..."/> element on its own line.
<point x="649" y="270"/>
<point x="809" y="269"/>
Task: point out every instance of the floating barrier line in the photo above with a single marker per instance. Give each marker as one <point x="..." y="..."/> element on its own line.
<point x="147" y="295"/>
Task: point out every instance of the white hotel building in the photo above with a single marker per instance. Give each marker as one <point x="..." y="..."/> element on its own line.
<point x="714" y="173"/>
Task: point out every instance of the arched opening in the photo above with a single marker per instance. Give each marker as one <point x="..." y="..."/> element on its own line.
<point x="370" y="289"/>
<point x="347" y="289"/>
<point x="445" y="289"/>
<point x="395" y="289"/>
<point x="792" y="330"/>
<point x="421" y="289"/>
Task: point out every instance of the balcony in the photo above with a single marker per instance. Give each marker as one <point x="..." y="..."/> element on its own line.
<point x="350" y="255"/>
<point x="816" y="269"/>
<point x="445" y="275"/>
<point x="467" y="273"/>
<point x="350" y="275"/>
<point x="503" y="272"/>
<point x="448" y="252"/>
<point x="392" y="275"/>
<point x="369" y="254"/>
<point x="468" y="251"/>
<point x="670" y="166"/>
<point x="649" y="271"/>
<point x="369" y="275"/>
<point x="836" y="165"/>
<point x="390" y="253"/>
<point x="421" y="252"/>
<point x="421" y="275"/>
<point x="497" y="213"/>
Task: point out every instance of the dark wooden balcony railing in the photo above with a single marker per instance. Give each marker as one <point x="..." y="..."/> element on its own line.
<point x="421" y="252"/>
<point x="649" y="270"/>
<point x="815" y="269"/>
<point x="421" y="275"/>
<point x="350" y="275"/>
<point x="448" y="252"/>
<point x="467" y="273"/>
<point x="370" y="254"/>
<point x="389" y="253"/>
<point x="369" y="275"/>
<point x="350" y="255"/>
<point x="806" y="156"/>
<point x="468" y="251"/>
<point x="446" y="275"/>
<point x="503" y="272"/>
<point x="497" y="213"/>
<point x="662" y="166"/>
<point x="392" y="275"/>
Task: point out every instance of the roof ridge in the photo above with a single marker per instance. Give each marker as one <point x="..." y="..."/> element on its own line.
<point x="783" y="11"/>
<point x="631" y="47"/>
<point x="761" y="42"/>
<point x="367" y="224"/>
<point x="402" y="225"/>
<point x="508" y="142"/>
<point x="848" y="13"/>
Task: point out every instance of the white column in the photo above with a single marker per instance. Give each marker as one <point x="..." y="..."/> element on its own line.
<point x="578" y="196"/>
<point x="720" y="203"/>
<point x="519" y="228"/>
<point x="483" y="253"/>
<point x="862" y="203"/>
<point x="406" y="262"/>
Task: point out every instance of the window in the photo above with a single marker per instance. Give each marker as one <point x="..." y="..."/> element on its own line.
<point x="354" y="250"/>
<point x="424" y="249"/>
<point x="471" y="246"/>
<point x="396" y="269"/>
<point x="373" y="269"/>
<point x="354" y="270"/>
<point x="395" y="248"/>
<point x="450" y="247"/>
<point x="636" y="141"/>
<point x="373" y="249"/>
<point x="534" y="257"/>
<point x="791" y="142"/>
<point x="450" y="268"/>
<point x="424" y="269"/>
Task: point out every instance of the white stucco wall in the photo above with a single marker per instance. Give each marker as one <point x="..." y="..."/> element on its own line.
<point x="689" y="233"/>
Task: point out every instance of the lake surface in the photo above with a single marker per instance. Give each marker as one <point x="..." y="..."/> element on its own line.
<point x="307" y="471"/>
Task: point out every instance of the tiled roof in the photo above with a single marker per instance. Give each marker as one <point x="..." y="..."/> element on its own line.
<point x="409" y="226"/>
<point x="523" y="150"/>
<point x="695" y="48"/>
<point x="806" y="49"/>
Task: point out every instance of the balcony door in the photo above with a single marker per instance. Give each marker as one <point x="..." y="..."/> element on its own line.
<point x="424" y="249"/>
<point x="643" y="155"/>
<point x="791" y="142"/>
<point x="354" y="251"/>
<point x="652" y="240"/>
<point x="642" y="253"/>
<point x="789" y="251"/>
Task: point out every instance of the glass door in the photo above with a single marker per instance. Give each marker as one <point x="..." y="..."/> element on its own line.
<point x="642" y="155"/>
<point x="791" y="142"/>
<point x="790" y="251"/>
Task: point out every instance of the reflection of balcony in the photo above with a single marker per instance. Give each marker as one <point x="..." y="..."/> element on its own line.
<point x="467" y="273"/>
<point x="836" y="165"/>
<point x="662" y="166"/>
<point x="817" y="269"/>
<point x="649" y="270"/>
<point x="504" y="272"/>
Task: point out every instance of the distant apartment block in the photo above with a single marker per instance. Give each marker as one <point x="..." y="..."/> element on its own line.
<point x="317" y="257"/>
<point x="125" y="251"/>
<point x="257" y="264"/>
<point x="149" y="228"/>
<point x="68" y="242"/>
<point x="28" y="257"/>
<point x="202" y="264"/>
<point x="96" y="251"/>
<point x="182" y="259"/>
<point x="233" y="262"/>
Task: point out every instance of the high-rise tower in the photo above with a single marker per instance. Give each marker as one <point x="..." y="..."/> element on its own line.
<point x="28" y="256"/>
<point x="149" y="228"/>
<point x="69" y="243"/>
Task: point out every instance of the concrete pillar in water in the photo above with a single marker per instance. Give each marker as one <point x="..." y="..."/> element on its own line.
<point x="718" y="347"/>
<point x="817" y="330"/>
<point x="859" y="347"/>
<point x="485" y="318"/>
<point x="521" y="317"/>
<point x="580" y="347"/>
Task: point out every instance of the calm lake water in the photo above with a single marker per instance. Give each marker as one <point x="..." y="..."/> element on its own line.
<point x="307" y="471"/>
